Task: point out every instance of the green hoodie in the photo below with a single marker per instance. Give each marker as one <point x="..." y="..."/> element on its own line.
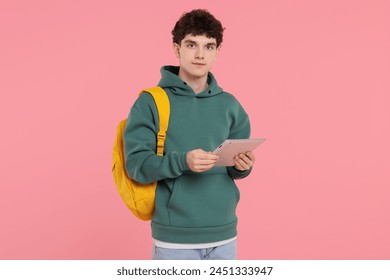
<point x="190" y="207"/>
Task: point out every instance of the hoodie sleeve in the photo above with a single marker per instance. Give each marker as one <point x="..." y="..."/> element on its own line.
<point x="239" y="130"/>
<point x="142" y="163"/>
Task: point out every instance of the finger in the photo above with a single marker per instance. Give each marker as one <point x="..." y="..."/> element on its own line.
<point x="251" y="156"/>
<point x="205" y="163"/>
<point x="206" y="156"/>
<point x="239" y="167"/>
<point x="242" y="162"/>
<point x="246" y="160"/>
<point x="213" y="156"/>
<point x="205" y="160"/>
<point x="202" y="168"/>
<point x="210" y="156"/>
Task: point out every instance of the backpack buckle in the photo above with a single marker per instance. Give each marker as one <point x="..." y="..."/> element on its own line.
<point x="160" y="142"/>
<point x="161" y="135"/>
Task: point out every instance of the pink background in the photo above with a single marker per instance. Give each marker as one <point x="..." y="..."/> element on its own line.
<point x="314" y="76"/>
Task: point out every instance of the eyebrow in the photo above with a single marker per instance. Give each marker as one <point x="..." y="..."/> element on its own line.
<point x="193" y="42"/>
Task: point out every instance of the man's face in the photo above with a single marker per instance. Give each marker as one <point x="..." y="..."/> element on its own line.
<point x="196" y="54"/>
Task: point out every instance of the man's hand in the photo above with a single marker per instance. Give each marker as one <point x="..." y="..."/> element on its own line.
<point x="199" y="160"/>
<point x="244" y="161"/>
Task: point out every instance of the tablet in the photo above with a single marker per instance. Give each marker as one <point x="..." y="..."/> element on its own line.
<point x="232" y="147"/>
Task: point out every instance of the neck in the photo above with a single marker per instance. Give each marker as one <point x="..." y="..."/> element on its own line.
<point x="198" y="84"/>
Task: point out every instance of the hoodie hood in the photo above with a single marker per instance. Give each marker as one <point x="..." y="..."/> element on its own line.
<point x="170" y="79"/>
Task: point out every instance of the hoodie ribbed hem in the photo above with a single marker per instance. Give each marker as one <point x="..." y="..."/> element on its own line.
<point x="194" y="235"/>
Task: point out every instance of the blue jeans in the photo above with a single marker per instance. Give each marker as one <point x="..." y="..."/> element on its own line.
<point x="225" y="252"/>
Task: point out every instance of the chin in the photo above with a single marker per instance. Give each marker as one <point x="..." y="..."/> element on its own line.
<point x="199" y="74"/>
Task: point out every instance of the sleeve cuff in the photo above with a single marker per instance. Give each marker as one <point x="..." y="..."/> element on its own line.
<point x="237" y="174"/>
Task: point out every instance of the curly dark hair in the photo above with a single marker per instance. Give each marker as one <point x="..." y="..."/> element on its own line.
<point x="198" y="22"/>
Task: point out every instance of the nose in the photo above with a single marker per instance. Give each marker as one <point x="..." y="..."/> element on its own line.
<point x="199" y="54"/>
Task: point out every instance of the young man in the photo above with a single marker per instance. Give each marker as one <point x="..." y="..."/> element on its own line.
<point x="195" y="208"/>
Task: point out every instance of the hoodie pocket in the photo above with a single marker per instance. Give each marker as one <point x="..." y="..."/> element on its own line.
<point x="203" y="201"/>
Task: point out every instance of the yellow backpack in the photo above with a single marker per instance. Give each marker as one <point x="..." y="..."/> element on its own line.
<point x="139" y="198"/>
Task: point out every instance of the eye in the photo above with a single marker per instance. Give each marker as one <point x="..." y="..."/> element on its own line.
<point x="210" y="47"/>
<point x="191" y="46"/>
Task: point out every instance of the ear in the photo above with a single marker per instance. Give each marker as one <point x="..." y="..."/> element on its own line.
<point x="217" y="53"/>
<point x="176" y="50"/>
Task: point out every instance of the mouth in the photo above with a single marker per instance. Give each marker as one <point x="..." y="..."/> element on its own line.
<point x="198" y="64"/>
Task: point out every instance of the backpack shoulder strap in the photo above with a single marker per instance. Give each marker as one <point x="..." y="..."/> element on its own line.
<point x="163" y="107"/>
